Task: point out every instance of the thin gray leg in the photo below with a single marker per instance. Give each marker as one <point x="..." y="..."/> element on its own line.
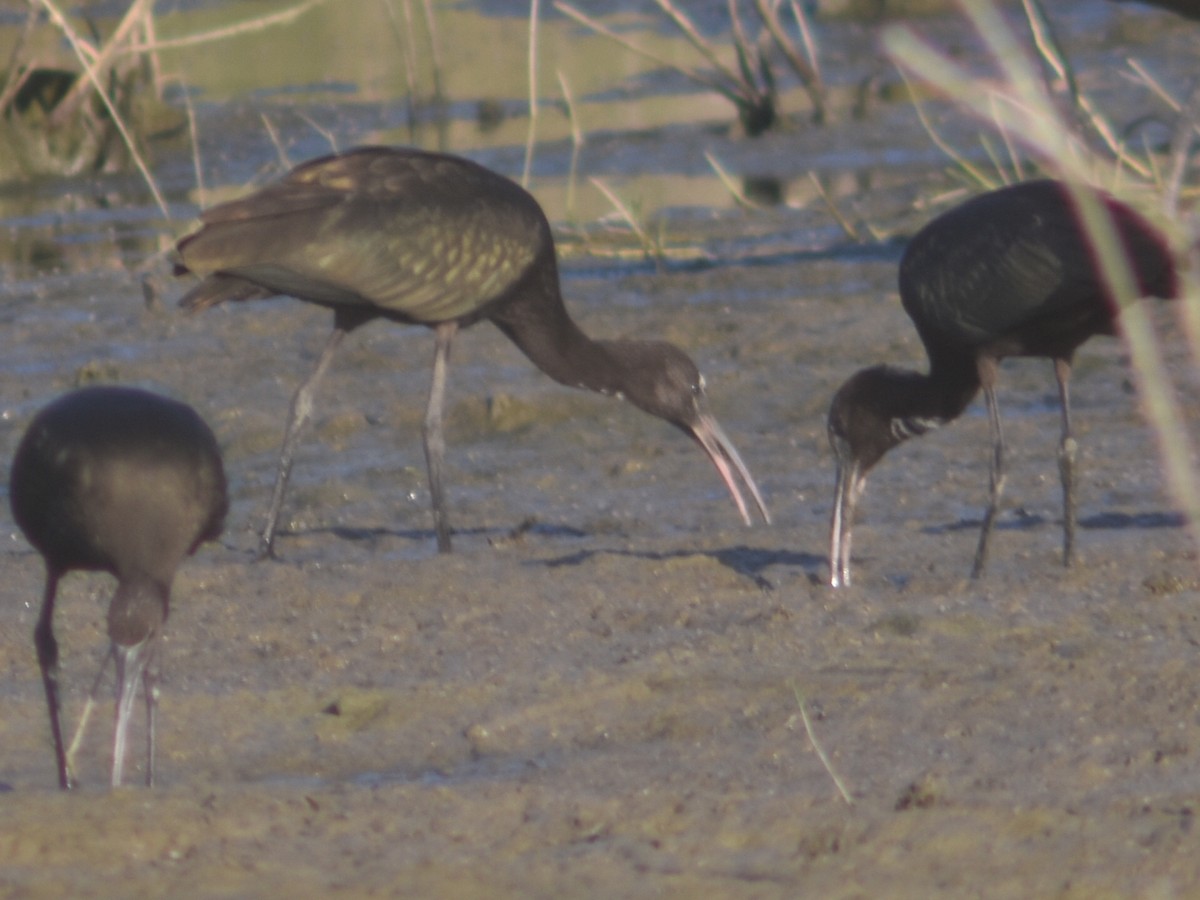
<point x="47" y="654"/>
<point x="987" y="377"/>
<point x="301" y="412"/>
<point x="1068" y="451"/>
<point x="433" y="434"/>
<point x="150" y="689"/>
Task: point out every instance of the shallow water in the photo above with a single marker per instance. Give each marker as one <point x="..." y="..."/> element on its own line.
<point x="600" y="692"/>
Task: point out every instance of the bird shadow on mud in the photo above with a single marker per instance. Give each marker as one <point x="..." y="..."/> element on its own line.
<point x="748" y="562"/>
<point x="368" y="537"/>
<point x="1121" y="521"/>
<point x="1021" y="519"/>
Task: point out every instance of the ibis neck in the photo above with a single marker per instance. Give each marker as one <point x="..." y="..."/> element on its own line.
<point x="536" y="320"/>
<point x="138" y="609"/>
<point x="917" y="403"/>
<point x="951" y="385"/>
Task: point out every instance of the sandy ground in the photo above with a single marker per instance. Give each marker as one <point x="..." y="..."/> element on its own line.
<point x="603" y="691"/>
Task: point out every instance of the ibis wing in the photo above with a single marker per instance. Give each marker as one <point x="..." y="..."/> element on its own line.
<point x="966" y="282"/>
<point x="1019" y="262"/>
<point x="425" y="237"/>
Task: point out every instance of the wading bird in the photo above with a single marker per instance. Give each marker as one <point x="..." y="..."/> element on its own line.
<point x="1012" y="272"/>
<point x="435" y="240"/>
<point x="126" y="482"/>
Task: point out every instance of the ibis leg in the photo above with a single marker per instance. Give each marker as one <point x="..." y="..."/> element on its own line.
<point x="150" y="689"/>
<point x="47" y="653"/>
<point x="300" y="413"/>
<point x="987" y="371"/>
<point x="1067" y="453"/>
<point x="850" y="484"/>
<point x="86" y="715"/>
<point x="433" y="434"/>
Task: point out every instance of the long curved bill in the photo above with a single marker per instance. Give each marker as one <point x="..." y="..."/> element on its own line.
<point x="729" y="464"/>
<point x="850" y="483"/>
<point x="131" y="666"/>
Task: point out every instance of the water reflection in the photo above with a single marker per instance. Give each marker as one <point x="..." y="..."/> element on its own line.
<point x="339" y="75"/>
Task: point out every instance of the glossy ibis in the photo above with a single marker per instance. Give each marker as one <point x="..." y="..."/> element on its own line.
<point x="1008" y="273"/>
<point x="435" y="240"/>
<point x="1189" y="9"/>
<point x="127" y="482"/>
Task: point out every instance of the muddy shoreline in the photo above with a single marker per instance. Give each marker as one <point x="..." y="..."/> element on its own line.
<point x="600" y="692"/>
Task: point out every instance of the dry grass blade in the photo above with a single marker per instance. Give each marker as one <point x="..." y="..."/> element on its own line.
<point x="625" y="212"/>
<point x="17" y="73"/>
<point x="91" y="60"/>
<point x="531" y="134"/>
<point x="1051" y="51"/>
<point x="249" y="26"/>
<point x="1154" y="85"/>
<point x="600" y="28"/>
<point x="94" y="78"/>
<point x="820" y="751"/>
<point x="750" y="61"/>
<point x="194" y="137"/>
<point x="650" y="247"/>
<point x="973" y="172"/>
<point x="846" y="225"/>
<point x="330" y="137"/>
<point x="13" y="85"/>
<point x="577" y="140"/>
<point x="1180" y="153"/>
<point x="807" y="70"/>
<point x="408" y="54"/>
<point x="404" y="28"/>
<point x="149" y="36"/>
<point x="1049" y="47"/>
<point x="706" y="48"/>
<point x="280" y="150"/>
<point x="1000" y="104"/>
<point x="730" y="184"/>
<point x="1188" y="128"/>
<point x="810" y="45"/>
<point x="435" y="47"/>
<point x="749" y="86"/>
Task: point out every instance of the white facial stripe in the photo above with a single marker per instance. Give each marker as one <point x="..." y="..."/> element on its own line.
<point x="913" y="426"/>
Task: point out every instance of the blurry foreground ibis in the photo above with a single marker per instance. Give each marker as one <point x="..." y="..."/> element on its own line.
<point x="430" y="239"/>
<point x="1008" y="273"/>
<point x="1189" y="9"/>
<point x="127" y="482"/>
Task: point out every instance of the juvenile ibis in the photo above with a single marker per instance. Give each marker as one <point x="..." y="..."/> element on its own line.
<point x="431" y="239"/>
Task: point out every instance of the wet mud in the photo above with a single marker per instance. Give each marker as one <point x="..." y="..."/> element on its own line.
<point x="613" y="687"/>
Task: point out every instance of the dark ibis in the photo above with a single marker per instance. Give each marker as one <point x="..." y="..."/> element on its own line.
<point x="1189" y="9"/>
<point x="1008" y="273"/>
<point x="127" y="482"/>
<point x="431" y="239"/>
